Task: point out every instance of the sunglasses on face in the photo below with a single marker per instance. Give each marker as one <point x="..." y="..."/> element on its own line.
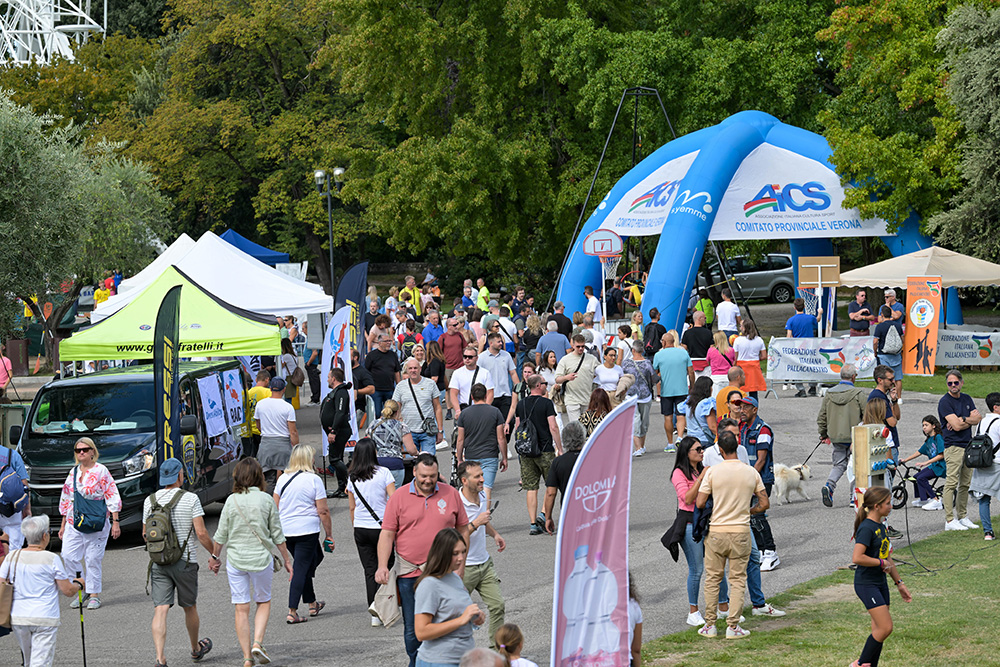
<point x="468" y="356"/>
<point x="82" y="451"/>
<point x="954" y="384"/>
<point x="699" y="449"/>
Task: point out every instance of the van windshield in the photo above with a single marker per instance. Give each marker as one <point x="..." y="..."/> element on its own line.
<point x="95" y="408"/>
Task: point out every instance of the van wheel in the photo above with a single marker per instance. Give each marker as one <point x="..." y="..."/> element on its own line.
<point x="782" y="294"/>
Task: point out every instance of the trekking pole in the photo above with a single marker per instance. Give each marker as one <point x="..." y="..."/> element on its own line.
<point x="83" y="638"/>
<point x="812" y="452"/>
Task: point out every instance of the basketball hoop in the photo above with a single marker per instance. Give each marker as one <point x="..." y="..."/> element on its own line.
<point x="610" y="264"/>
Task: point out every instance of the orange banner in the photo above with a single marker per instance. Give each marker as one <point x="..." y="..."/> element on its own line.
<point x="923" y="304"/>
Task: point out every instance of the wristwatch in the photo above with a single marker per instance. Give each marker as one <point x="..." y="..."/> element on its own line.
<point x="213" y="556"/>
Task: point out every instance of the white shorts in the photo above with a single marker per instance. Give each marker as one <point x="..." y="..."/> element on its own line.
<point x="240" y="583"/>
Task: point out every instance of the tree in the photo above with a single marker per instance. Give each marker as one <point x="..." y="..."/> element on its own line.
<point x="68" y="214"/>
<point x="972" y="58"/>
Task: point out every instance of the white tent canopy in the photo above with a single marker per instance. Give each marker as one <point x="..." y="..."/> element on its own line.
<point x="955" y="269"/>
<point x="174" y="252"/>
<point x="231" y="275"/>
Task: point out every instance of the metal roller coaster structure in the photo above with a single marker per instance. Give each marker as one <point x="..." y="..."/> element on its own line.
<point x="40" y="30"/>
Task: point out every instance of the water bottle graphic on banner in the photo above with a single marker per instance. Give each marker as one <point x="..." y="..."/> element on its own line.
<point x="573" y="607"/>
<point x="600" y="596"/>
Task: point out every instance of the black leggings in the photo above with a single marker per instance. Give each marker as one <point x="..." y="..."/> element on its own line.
<point x="367" y="541"/>
<point x="306" y="555"/>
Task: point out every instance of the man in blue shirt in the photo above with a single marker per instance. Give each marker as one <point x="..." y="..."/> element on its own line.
<point x="551" y="340"/>
<point x="433" y="329"/>
<point x="801" y="325"/>
<point x="758" y="439"/>
<point x="958" y="414"/>
<point x="676" y="374"/>
<point x="898" y="310"/>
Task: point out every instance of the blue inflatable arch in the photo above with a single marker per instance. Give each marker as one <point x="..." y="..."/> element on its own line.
<point x="748" y="177"/>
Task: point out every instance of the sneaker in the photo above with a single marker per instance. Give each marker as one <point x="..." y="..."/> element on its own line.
<point x="767" y="610"/>
<point x="967" y="522"/>
<point x="920" y="503"/>
<point x="376" y="622"/>
<point x="769" y="560"/>
<point x="723" y="615"/>
<point x="827" y="495"/>
<point x="935" y="504"/>
<point x="449" y="415"/>
<point x="954" y="525"/>
<point x="695" y="619"/>
<point x="893" y="533"/>
<point x="812" y="391"/>
<point x="989" y="536"/>
<point x="94" y="602"/>
<point x="801" y="393"/>
<point x="670" y="449"/>
<point x="736" y="633"/>
<point x="75" y="603"/>
<point x="535" y="529"/>
<point x="638" y="452"/>
<point x="708" y="631"/>
<point x="899" y="401"/>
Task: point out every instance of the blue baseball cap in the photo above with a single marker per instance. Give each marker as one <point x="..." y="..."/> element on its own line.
<point x="169" y="471"/>
<point x="277" y="384"/>
<point x="749" y="400"/>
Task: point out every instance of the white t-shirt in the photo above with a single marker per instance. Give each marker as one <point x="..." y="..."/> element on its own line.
<point x="36" y="597"/>
<point x="523" y="662"/>
<point x="477" y="541"/>
<point x="461" y="379"/>
<point x="634" y="618"/>
<point x="748" y="350"/>
<point x="726" y="314"/>
<point x="288" y="365"/>
<point x="713" y="455"/>
<point x="274" y="415"/>
<point x="624" y="347"/>
<point x="181" y="517"/>
<point x="607" y="378"/>
<point x="374" y="491"/>
<point x="297" y="504"/>
<point x="594" y="306"/>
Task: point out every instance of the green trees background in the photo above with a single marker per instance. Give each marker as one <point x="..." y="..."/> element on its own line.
<point x="470" y="131"/>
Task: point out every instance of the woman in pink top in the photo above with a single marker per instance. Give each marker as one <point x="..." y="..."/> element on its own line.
<point x="721" y="358"/>
<point x="686" y="478"/>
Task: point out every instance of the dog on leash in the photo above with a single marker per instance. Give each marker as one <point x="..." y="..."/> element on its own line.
<point x="787" y="480"/>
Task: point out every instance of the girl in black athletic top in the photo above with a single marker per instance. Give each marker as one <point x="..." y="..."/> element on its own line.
<point x="872" y="556"/>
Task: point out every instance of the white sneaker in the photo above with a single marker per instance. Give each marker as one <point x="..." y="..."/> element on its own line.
<point x="708" y="630"/>
<point x="919" y="503"/>
<point x="736" y="633"/>
<point x="935" y="504"/>
<point x="954" y="525"/>
<point x="899" y="401"/>
<point x="639" y="452"/>
<point x="723" y="615"/>
<point x="967" y="522"/>
<point x="769" y="560"/>
<point x="695" y="619"/>
<point x="376" y="623"/>
<point x="767" y="610"/>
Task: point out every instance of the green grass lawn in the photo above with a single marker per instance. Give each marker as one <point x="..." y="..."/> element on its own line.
<point x="948" y="622"/>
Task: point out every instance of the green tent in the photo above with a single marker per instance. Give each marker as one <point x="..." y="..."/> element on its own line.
<point x="209" y="327"/>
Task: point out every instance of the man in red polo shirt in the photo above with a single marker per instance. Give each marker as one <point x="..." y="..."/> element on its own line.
<point x="413" y="517"/>
<point x="452" y="344"/>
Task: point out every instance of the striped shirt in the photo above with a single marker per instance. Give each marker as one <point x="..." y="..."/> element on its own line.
<point x="182" y="517"/>
<point x="426" y="391"/>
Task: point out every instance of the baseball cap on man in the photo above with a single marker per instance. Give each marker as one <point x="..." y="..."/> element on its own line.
<point x="749" y="400"/>
<point x="169" y="471"/>
<point x="277" y="384"/>
<point x="493" y="304"/>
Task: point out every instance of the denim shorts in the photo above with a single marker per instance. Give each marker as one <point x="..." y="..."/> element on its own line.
<point x="490" y="468"/>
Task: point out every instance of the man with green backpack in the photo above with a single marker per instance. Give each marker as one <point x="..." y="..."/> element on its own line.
<point x="169" y="517"/>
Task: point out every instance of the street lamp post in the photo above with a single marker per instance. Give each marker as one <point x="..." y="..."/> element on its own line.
<point x="323" y="179"/>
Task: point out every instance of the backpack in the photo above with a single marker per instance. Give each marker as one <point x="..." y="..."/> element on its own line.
<point x="980" y="451"/>
<point x="893" y="343"/>
<point x="13" y="494"/>
<point x="526" y="436"/>
<point x="409" y="341"/>
<point x="651" y="338"/>
<point x="161" y="538"/>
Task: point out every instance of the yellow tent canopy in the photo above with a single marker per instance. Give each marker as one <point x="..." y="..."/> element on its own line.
<point x="209" y="327"/>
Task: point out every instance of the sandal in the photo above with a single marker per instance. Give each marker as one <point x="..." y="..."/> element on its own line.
<point x="292" y="619"/>
<point x="248" y="660"/>
<point x="314" y="611"/>
<point x="260" y="654"/>
<point x="204" y="646"/>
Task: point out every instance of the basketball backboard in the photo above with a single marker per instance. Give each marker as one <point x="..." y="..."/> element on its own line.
<point x="602" y="242"/>
<point x="819" y="272"/>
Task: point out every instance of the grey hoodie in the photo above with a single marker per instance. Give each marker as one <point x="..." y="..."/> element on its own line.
<point x="842" y="408"/>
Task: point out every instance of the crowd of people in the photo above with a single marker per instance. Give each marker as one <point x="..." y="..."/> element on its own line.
<point x="497" y="369"/>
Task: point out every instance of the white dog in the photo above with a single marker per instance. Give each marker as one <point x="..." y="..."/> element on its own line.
<point x="787" y="480"/>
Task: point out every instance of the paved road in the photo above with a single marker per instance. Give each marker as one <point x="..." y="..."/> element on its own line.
<point x="812" y="540"/>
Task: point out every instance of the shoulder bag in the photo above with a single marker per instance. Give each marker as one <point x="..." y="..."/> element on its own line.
<point x="429" y="424"/>
<point x="7" y="593"/>
<point x="88" y="515"/>
<point x="275" y="560"/>
<point x="561" y="389"/>
<point x="364" y="502"/>
<point x="289" y="483"/>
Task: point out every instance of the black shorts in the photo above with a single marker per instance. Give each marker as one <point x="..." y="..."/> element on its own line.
<point x="669" y="404"/>
<point x="873" y="596"/>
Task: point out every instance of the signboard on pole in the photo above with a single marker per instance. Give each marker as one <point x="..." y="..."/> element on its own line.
<point x="923" y="304"/>
<point x="590" y="594"/>
<point x="337" y="354"/>
<point x="165" y="357"/>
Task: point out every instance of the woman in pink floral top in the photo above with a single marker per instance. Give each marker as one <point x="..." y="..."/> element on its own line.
<point x="94" y="481"/>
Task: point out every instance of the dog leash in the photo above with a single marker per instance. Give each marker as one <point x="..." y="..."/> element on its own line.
<point x="812" y="452"/>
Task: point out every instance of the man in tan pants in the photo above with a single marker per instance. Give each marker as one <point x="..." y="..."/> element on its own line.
<point x="732" y="484"/>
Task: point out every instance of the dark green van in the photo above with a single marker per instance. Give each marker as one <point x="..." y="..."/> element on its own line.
<point x="115" y="409"/>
